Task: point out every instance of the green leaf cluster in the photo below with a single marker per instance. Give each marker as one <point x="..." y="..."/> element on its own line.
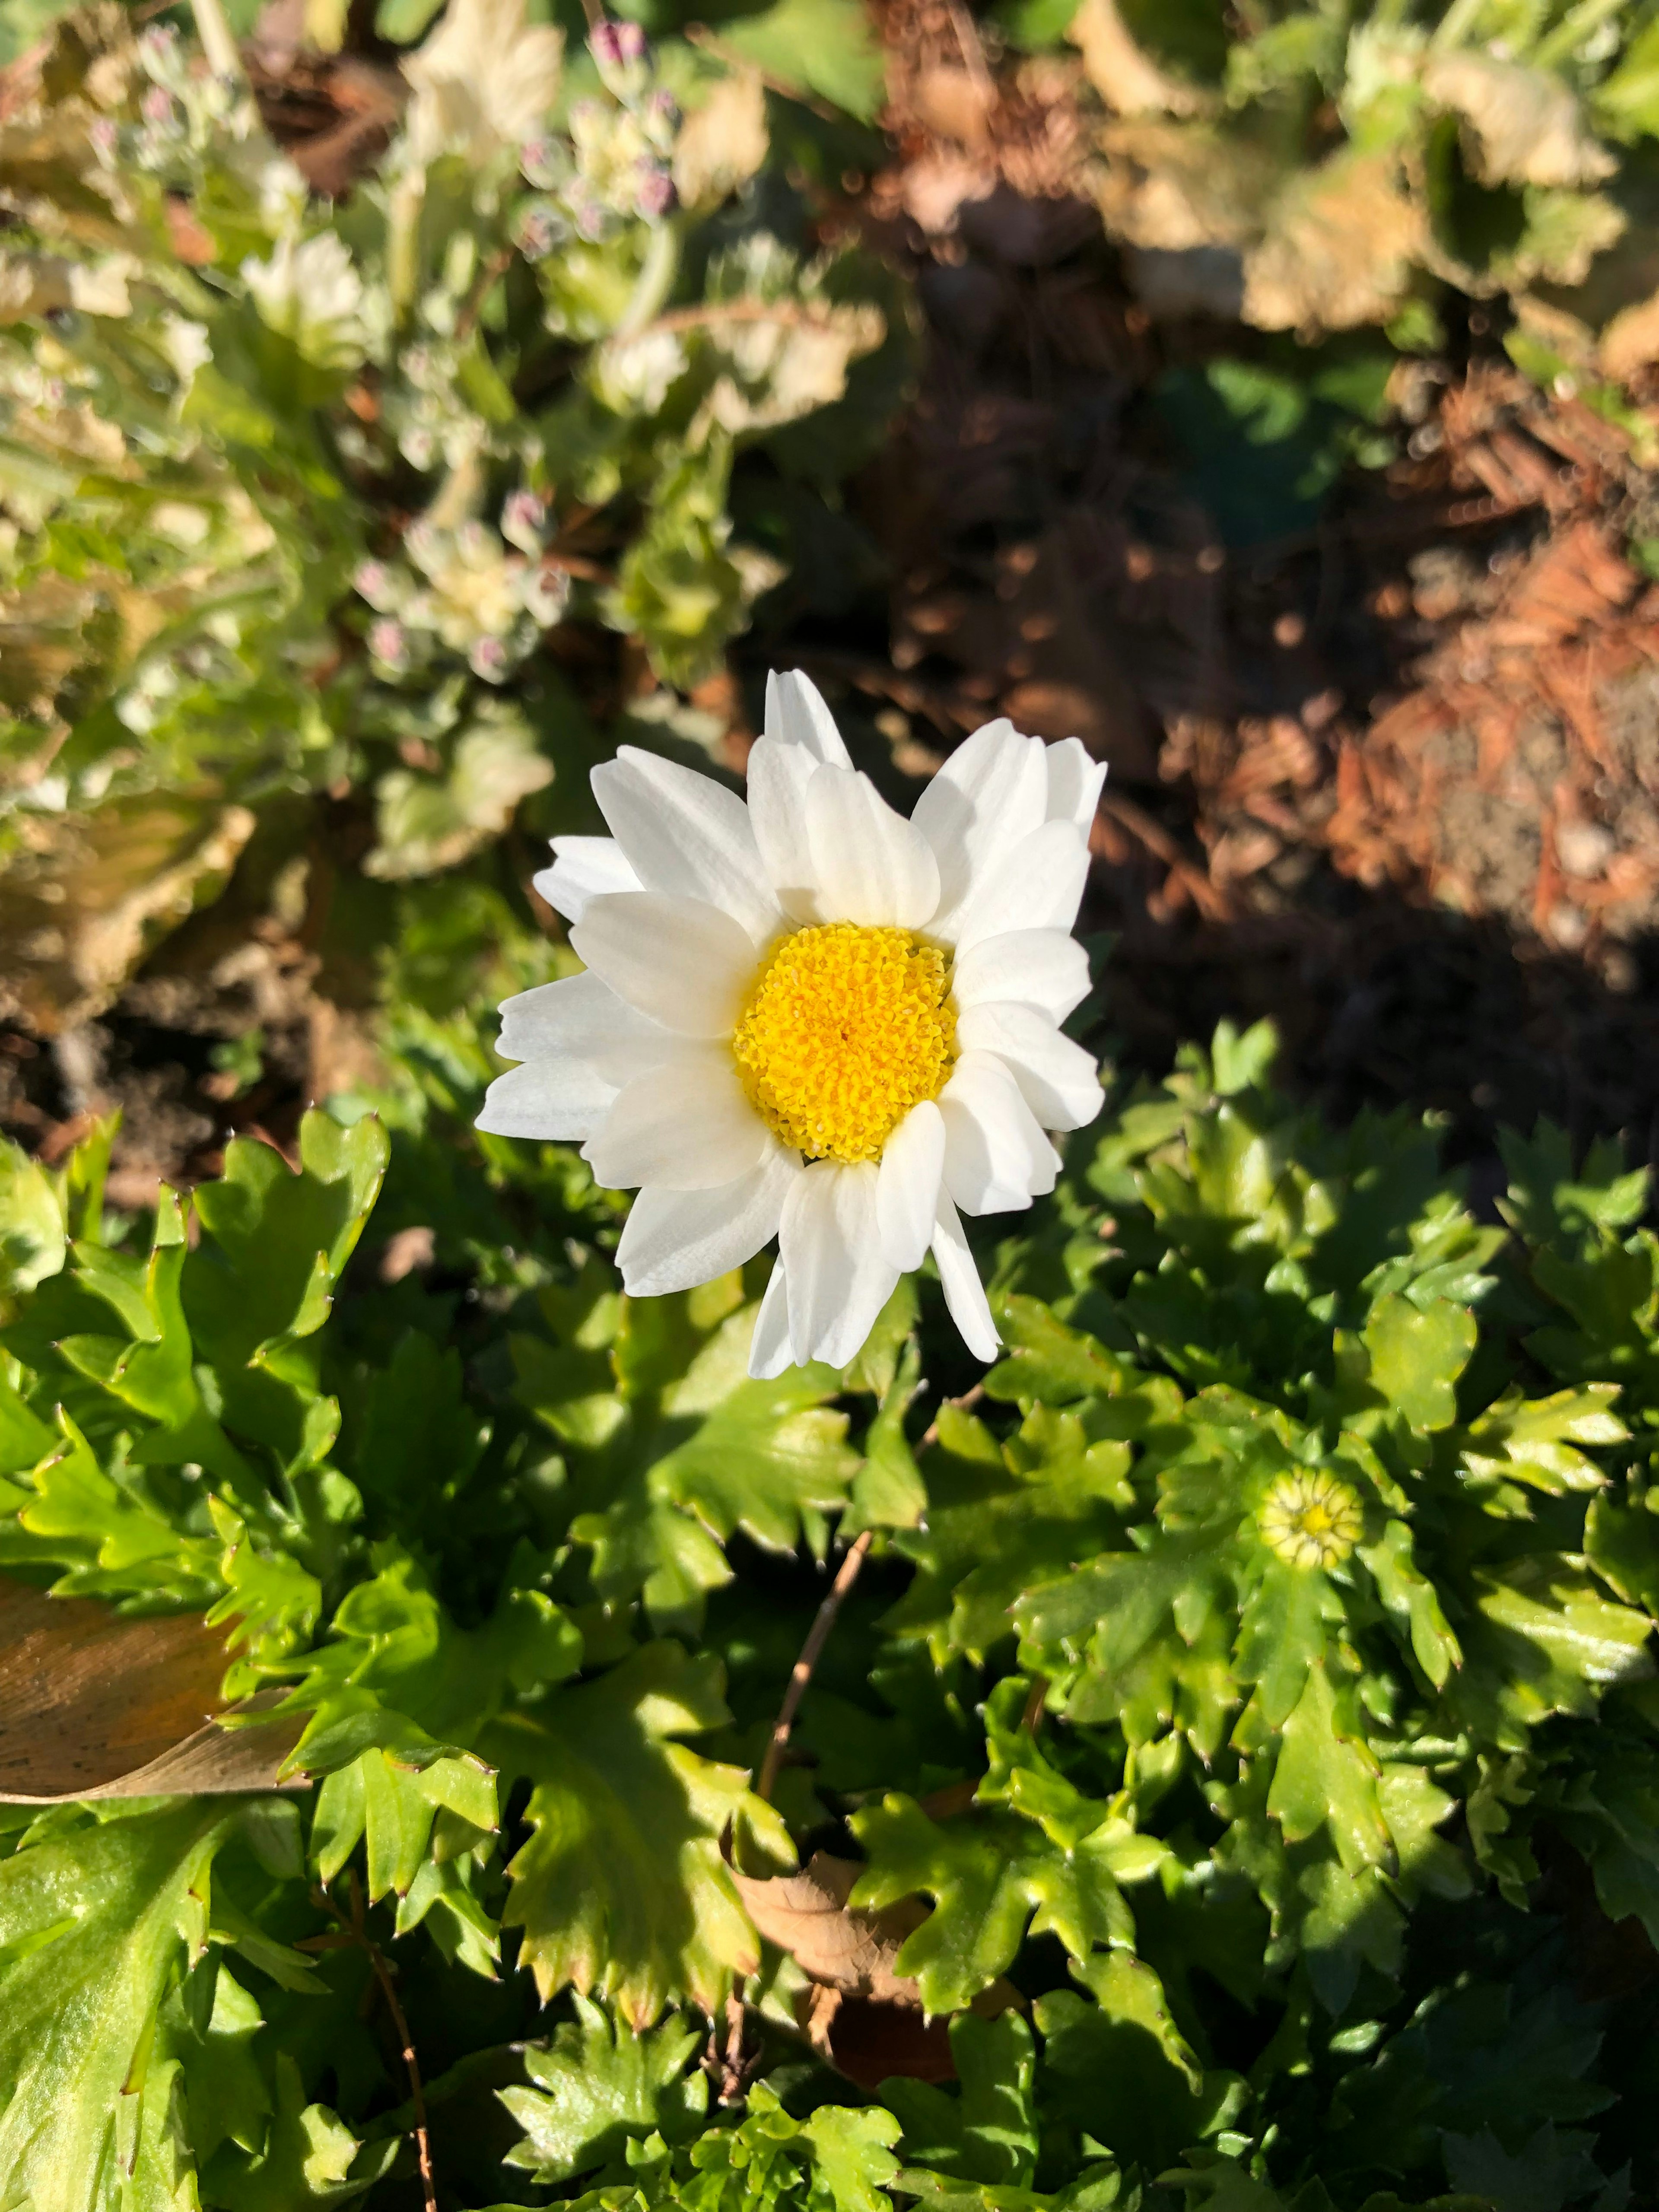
<point x="1244" y="1722"/>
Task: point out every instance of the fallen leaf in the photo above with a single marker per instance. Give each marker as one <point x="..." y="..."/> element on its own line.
<point x="864" y="2017"/>
<point x="96" y="1705"/>
<point x="852" y="1950"/>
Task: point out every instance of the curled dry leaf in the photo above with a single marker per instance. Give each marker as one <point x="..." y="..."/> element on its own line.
<point x="93" y="1705"/>
<point x="1521" y="126"/>
<point x="861" y="2013"/>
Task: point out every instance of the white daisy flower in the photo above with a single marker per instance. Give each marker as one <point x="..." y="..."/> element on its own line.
<point x="806" y="1017"/>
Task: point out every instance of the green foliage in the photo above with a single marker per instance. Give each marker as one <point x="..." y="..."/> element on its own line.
<point x="1246" y="1712"/>
<point x="304" y="495"/>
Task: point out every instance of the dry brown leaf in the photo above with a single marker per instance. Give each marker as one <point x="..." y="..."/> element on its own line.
<point x="1631" y="341"/>
<point x="1127" y="79"/>
<point x="1339" y="248"/>
<point x="863" y="2015"/>
<point x="722" y="143"/>
<point x="1175" y="186"/>
<point x="840" y="1947"/>
<point x="93" y="1705"/>
<point x="90" y="899"/>
<point x="1521" y="126"/>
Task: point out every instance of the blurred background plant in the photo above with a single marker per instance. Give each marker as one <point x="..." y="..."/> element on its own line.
<point x="327" y="521"/>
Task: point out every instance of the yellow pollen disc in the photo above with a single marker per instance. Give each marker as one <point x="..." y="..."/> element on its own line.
<point x="1311" y="1519"/>
<point x="846" y="1029"/>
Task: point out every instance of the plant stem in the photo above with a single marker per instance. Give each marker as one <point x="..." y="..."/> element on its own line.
<point x="354" y="1928"/>
<point x="801" y="1673"/>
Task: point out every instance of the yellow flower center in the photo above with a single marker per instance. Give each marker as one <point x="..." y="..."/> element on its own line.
<point x="846" y="1029"/>
<point x="1311" y="1519"/>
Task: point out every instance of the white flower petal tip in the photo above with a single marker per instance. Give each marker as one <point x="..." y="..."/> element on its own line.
<point x="796" y="715"/>
<point x="584" y="868"/>
<point x="805" y="1017"/>
<point x="964" y="1293"/>
<point x="687" y="837"/>
<point x="770" y="1352"/>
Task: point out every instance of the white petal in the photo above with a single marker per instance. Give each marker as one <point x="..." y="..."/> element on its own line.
<point x="686" y="1125"/>
<point x="584" y="868"/>
<point x="964" y="1293"/>
<point x="992" y="791"/>
<point x="547" y="1098"/>
<point x="839" y="1277"/>
<point x="675" y="1239"/>
<point x="1036" y="885"/>
<point x="796" y="715"/>
<point x="685" y="964"/>
<point x="688" y="836"/>
<point x="770" y="1350"/>
<point x="1074" y="782"/>
<point x="997" y="1159"/>
<point x="871" y="865"/>
<point x="778" y="776"/>
<point x="1058" y="1080"/>
<point x="1033" y="967"/>
<point x="583" y="1018"/>
<point x="907" y="1184"/>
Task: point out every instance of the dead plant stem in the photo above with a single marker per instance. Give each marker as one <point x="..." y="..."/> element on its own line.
<point x="357" y="1933"/>
<point x="801" y="1673"/>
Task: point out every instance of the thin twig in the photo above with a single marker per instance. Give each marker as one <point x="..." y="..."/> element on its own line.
<point x="497" y="267"/>
<point x="801" y="1673"/>
<point x="357" y="1933"/>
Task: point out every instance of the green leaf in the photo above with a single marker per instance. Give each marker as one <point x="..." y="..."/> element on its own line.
<point x="1412" y="1598"/>
<point x="1547" y="1641"/>
<point x="1532" y="1440"/>
<point x="1004" y="1521"/>
<point x="1417" y="1356"/>
<point x="277" y="1242"/>
<point x="991" y="1875"/>
<point x="823" y="47"/>
<point x="310" y="2158"/>
<point x="398" y="1673"/>
<point x="1551" y="1205"/>
<point x="1326" y="1777"/>
<point x="989" y="2132"/>
<point x="33" y="1242"/>
<point x="597" y="2086"/>
<point x="621" y="1890"/>
<point x="678" y="1446"/>
<point x="1117" y="2069"/>
<point x="1622" y="1542"/>
<point x="98" y="1926"/>
<point x="1046" y="1360"/>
